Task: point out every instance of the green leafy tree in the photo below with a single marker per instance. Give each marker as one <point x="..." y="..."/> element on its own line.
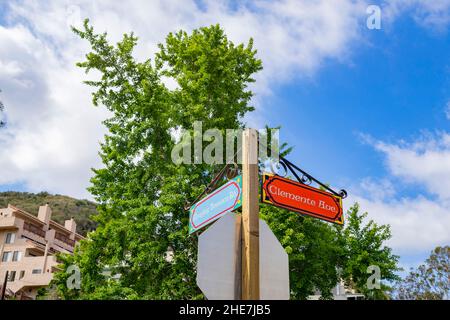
<point x="429" y="281"/>
<point x="320" y="254"/>
<point x="141" y="193"/>
<point x="361" y="245"/>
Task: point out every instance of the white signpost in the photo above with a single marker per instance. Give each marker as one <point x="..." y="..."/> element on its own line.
<point x="219" y="262"/>
<point x="219" y="258"/>
<point x="273" y="266"/>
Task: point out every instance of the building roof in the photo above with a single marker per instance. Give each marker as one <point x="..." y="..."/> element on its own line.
<point x="26" y="214"/>
<point x="52" y="223"/>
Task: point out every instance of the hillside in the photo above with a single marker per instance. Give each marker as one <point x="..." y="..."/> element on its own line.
<point x="63" y="207"/>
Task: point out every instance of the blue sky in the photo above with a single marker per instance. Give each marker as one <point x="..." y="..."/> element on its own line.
<point x="366" y="110"/>
<point x="395" y="88"/>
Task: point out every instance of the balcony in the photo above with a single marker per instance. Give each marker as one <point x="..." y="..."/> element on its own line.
<point x="60" y="246"/>
<point x="65" y="239"/>
<point x="8" y="223"/>
<point x="31" y="280"/>
<point x="34" y="233"/>
<point x="33" y="229"/>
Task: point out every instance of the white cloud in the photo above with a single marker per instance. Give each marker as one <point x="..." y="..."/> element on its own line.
<point x="292" y="37"/>
<point x="51" y="141"/>
<point x="52" y="137"/>
<point x="426" y="162"/>
<point x="418" y="222"/>
<point x="377" y="189"/>
<point x="433" y="14"/>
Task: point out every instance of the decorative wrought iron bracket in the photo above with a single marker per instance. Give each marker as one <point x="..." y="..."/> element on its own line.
<point x="305" y="177"/>
<point x="230" y="170"/>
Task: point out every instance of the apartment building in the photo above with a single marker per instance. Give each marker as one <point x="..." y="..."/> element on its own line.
<point x="28" y="245"/>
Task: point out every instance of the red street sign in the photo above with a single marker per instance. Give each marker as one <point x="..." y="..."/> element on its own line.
<point x="295" y="196"/>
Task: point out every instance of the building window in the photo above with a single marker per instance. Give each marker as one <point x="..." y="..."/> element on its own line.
<point x="22" y="274"/>
<point x="17" y="256"/>
<point x="6" y="256"/>
<point x="36" y="271"/>
<point x="10" y="237"/>
<point x="12" y="276"/>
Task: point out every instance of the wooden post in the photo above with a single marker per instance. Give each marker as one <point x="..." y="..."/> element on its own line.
<point x="250" y="216"/>
<point x="238" y="261"/>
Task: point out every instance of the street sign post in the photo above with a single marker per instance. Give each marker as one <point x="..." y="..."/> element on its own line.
<point x="221" y="201"/>
<point x="250" y="216"/>
<point x="301" y="198"/>
<point x="219" y="262"/>
<point x="238" y="256"/>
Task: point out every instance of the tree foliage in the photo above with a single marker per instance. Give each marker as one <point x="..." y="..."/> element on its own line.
<point x="320" y="254"/>
<point x="362" y="245"/>
<point x="141" y="193"/>
<point x="429" y="281"/>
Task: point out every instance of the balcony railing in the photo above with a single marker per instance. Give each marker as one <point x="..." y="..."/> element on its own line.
<point x="33" y="229"/>
<point x="64" y="239"/>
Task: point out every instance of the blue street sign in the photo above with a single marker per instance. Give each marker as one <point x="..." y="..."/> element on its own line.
<point x="221" y="201"/>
